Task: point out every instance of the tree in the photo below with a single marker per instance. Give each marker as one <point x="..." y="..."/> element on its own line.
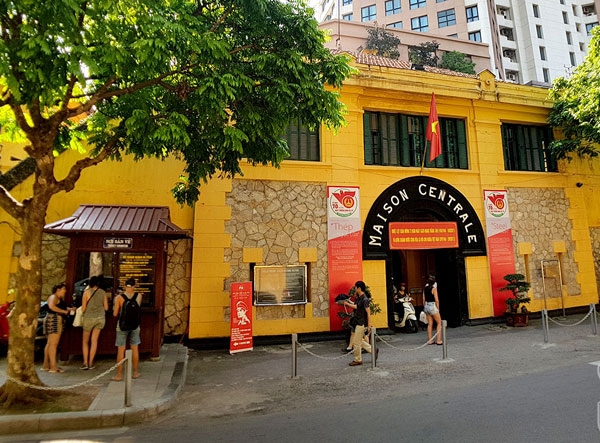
<point x="576" y="108"/>
<point x="457" y="61"/>
<point x="209" y="81"/>
<point x="424" y="54"/>
<point x="383" y="41"/>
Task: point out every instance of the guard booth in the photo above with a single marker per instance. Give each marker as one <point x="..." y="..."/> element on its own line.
<point x="118" y="242"/>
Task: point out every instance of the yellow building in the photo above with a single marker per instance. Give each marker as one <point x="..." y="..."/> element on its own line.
<point x="494" y="138"/>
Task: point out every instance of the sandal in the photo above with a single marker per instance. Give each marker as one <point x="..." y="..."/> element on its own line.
<point x="59" y="370"/>
<point x="44" y="369"/>
<point x="84" y="367"/>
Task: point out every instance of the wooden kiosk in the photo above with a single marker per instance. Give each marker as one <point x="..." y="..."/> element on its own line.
<point x="118" y="242"/>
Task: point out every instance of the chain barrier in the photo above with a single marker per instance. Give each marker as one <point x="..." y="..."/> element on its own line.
<point x="406" y="350"/>
<point x="305" y="349"/>
<point x="66" y="388"/>
<point x="570" y="324"/>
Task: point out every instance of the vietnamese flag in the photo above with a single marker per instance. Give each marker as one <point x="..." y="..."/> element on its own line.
<point x="433" y="131"/>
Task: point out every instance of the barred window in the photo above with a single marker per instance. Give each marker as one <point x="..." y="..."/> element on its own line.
<point x="302" y="143"/>
<point x="399" y="140"/>
<point x="526" y="148"/>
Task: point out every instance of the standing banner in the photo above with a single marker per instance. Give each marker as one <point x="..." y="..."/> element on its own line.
<point x="344" y="246"/>
<point x="241" y="317"/>
<point x="501" y="253"/>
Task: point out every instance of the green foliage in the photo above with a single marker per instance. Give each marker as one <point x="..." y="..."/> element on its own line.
<point x="424" y="54"/>
<point x="383" y="41"/>
<point x="519" y="288"/>
<point x="211" y="82"/>
<point x="457" y="61"/>
<point x="576" y="109"/>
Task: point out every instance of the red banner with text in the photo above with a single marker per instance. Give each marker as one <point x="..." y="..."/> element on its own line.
<point x="344" y="246"/>
<point x="501" y="253"/>
<point x="241" y="317"/>
<point x="423" y="235"/>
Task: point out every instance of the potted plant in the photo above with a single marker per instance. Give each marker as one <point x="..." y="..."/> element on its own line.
<point x="516" y="310"/>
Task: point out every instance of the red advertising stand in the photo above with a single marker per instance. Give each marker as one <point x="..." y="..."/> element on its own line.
<point x="500" y="244"/>
<point x="241" y="317"/>
<point x="344" y="245"/>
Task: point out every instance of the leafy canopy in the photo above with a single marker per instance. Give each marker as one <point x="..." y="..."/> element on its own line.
<point x="383" y="41"/>
<point x="213" y="82"/>
<point x="424" y="54"/>
<point x="458" y="62"/>
<point x="576" y="109"/>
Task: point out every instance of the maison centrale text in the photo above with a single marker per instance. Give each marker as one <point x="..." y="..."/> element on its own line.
<point x="457" y="208"/>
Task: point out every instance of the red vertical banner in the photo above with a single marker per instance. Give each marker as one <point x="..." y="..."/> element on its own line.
<point x="344" y="246"/>
<point x="241" y="317"/>
<point x="501" y="253"/>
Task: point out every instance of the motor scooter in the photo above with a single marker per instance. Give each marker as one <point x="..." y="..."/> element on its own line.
<point x="405" y="317"/>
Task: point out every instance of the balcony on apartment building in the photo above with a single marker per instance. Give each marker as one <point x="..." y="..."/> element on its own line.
<point x="507" y="38"/>
<point x="504" y="17"/>
<point x="510" y="60"/>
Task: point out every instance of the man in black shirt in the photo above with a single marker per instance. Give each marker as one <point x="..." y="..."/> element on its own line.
<point x="362" y="314"/>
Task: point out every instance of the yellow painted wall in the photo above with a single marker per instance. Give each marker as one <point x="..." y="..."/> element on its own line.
<point x="120" y="183"/>
<point x="483" y="102"/>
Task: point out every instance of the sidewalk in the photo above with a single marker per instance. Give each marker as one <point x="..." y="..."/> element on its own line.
<point x="155" y="391"/>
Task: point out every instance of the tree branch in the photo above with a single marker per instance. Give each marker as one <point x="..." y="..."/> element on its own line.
<point x="68" y="183"/>
<point x="13" y="207"/>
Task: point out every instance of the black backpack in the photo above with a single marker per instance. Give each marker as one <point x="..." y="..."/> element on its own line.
<point x="131" y="313"/>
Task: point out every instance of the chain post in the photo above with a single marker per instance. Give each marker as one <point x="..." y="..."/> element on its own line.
<point x="128" y="382"/>
<point x="294" y="355"/>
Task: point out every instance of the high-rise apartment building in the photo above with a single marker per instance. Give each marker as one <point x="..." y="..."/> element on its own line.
<point x="530" y="41"/>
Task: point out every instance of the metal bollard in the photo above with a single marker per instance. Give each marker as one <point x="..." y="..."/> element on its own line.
<point x="444" y="346"/>
<point x="128" y="373"/>
<point x="545" y="324"/>
<point x="594" y="319"/>
<point x="373" y="348"/>
<point x="294" y="355"/>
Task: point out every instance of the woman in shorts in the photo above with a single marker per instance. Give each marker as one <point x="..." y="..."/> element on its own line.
<point x="53" y="326"/>
<point x="94" y="305"/>
<point x="432" y="309"/>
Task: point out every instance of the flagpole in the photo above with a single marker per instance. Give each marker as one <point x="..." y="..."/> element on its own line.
<point x="423" y="160"/>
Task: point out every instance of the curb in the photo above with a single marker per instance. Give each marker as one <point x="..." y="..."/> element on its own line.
<point x="81" y="420"/>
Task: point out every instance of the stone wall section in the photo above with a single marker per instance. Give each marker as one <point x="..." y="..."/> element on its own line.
<point x="281" y="218"/>
<point x="539" y="217"/>
<point x="595" y="237"/>
<point x="177" y="286"/>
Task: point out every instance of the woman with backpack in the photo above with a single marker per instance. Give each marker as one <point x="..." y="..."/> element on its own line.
<point x="94" y="305"/>
<point x="127" y="308"/>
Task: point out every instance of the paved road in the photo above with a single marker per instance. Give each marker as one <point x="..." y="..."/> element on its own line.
<point x="498" y="385"/>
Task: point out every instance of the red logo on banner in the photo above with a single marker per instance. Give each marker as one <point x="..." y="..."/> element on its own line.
<point x="241" y="317"/>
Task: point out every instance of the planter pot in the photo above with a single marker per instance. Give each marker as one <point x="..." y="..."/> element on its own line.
<point x="516" y="319"/>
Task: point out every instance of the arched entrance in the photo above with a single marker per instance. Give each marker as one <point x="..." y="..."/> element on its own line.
<point x="425" y="199"/>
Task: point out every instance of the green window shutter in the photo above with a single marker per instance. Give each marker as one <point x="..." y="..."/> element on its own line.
<point x="368" y="138"/>
<point x="463" y="155"/>
<point x="405" y="157"/>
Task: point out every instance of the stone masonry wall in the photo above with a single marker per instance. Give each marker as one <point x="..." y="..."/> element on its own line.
<point x="595" y="237"/>
<point x="279" y="217"/>
<point x="177" y="286"/>
<point x="540" y="216"/>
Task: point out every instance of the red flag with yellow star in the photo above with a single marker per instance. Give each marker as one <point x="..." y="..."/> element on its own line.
<point x="433" y="131"/>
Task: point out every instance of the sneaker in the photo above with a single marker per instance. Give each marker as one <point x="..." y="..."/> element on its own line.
<point x="355" y="363"/>
<point x="84" y="367"/>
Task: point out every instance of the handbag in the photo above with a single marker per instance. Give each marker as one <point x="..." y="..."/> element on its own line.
<point x="423" y="317"/>
<point x="78" y="320"/>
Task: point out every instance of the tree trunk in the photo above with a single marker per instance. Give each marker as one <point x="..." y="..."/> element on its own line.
<point x="23" y="321"/>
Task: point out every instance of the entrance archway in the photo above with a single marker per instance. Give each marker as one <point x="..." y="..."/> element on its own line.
<point x="425" y="199"/>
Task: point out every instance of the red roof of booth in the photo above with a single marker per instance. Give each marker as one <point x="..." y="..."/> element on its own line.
<point x="101" y="219"/>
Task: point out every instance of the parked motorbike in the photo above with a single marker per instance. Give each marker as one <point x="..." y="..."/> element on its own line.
<point x="405" y="317"/>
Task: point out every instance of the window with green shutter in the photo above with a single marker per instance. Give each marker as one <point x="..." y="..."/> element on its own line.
<point x="399" y="140"/>
<point x="302" y="143"/>
<point x="525" y="148"/>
